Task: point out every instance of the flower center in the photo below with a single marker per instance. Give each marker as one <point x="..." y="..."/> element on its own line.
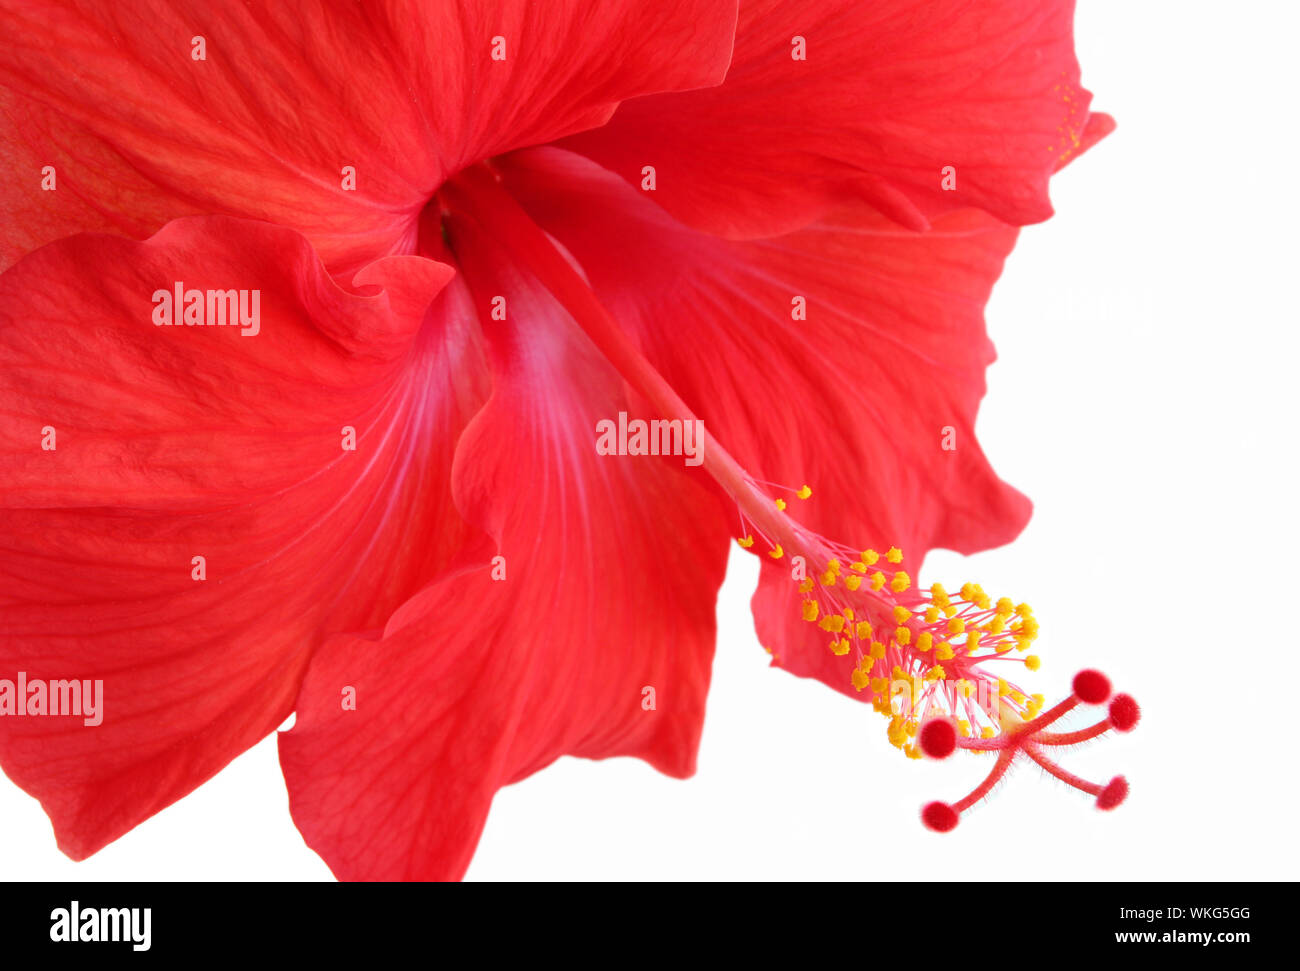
<point x="920" y="654"/>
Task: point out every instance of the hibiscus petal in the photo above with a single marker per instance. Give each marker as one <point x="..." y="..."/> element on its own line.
<point x="854" y="400"/>
<point x="138" y="132"/>
<point x="890" y="93"/>
<point x="611" y="569"/>
<point x="178" y="442"/>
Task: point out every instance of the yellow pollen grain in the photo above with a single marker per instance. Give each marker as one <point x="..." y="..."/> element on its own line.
<point x="869" y="557"/>
<point x="804" y="492"/>
<point x="956" y="626"/>
<point x="853" y="582"/>
<point x="944" y="652"/>
<point x="1032" y="662"/>
<point x="903" y="635"/>
<point x="925" y="641"/>
<point x="901" y="615"/>
<point x="877" y="580"/>
<point x="900" y="582"/>
<point x="777" y="553"/>
<point x="780" y="504"/>
<point x="895" y="555"/>
<point x="810" y="610"/>
<point x="747" y="542"/>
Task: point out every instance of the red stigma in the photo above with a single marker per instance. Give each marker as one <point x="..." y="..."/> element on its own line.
<point x="1030" y="739"/>
<point x="1115" y="792"/>
<point x="1124" y="713"/>
<point x="938" y="738"/>
<point x="940" y="817"/>
<point x="1091" y="687"/>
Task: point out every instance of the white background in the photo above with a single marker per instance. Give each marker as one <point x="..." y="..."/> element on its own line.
<point x="1145" y="399"/>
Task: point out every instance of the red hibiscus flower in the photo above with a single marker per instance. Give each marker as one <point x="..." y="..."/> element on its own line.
<point x="309" y="322"/>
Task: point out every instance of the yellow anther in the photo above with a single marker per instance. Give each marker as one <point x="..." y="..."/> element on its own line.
<point x="987" y="732"/>
<point x="1024" y="610"/>
<point x="973" y="640"/>
<point x="968" y="591"/>
<point x="1004" y="689"/>
<point x="848" y="613"/>
<point x="936" y="673"/>
<point x="1032" y="662"/>
<point x="900" y="582"/>
<point x="780" y="504"/>
<point x="1017" y="698"/>
<point x="777" y="553"/>
<point x="853" y="581"/>
<point x="810" y="610"/>
<point x="925" y="641"/>
<point x="806" y="585"/>
<point x="869" y="557"/>
<point x="857" y="566"/>
<point x="1039" y="700"/>
<point x="895" y="555"/>
<point x="828" y="579"/>
<point x="944" y="652"/>
<point x="931" y="614"/>
<point x="902" y="615"/>
<point x="911" y="729"/>
<point x="747" y="542"/>
<point x="903" y="635"/>
<point x="833" y="566"/>
<point x="879" y="685"/>
<point x="836" y="623"/>
<point x="840" y="647"/>
<point x="963" y="728"/>
<point x="956" y="626"/>
<point x="897" y="732"/>
<point x="864" y="630"/>
<point x="804" y="492"/>
<point x="938" y="594"/>
<point x="860" y="678"/>
<point x="997" y="625"/>
<point x="1005" y="607"/>
<point x="877" y="650"/>
<point x="965" y="688"/>
<point x="877" y="580"/>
